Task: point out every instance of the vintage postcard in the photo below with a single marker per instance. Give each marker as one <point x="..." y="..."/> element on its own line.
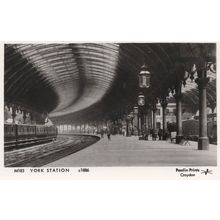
<point x="111" y="110"/>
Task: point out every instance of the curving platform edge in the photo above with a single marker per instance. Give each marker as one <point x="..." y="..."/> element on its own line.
<point x="43" y="154"/>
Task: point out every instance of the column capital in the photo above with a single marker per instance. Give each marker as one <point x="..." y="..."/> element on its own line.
<point x="212" y="105"/>
<point x="202" y="82"/>
<point x="154" y="108"/>
<point x="14" y="111"/>
<point x="24" y="115"/>
<point x="178" y="96"/>
<point x="164" y="103"/>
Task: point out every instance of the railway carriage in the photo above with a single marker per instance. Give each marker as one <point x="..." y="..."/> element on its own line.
<point x="41" y="131"/>
<point x="9" y="132"/>
<point x="23" y="133"/>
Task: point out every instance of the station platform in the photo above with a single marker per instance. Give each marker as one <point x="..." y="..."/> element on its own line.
<point x="129" y="151"/>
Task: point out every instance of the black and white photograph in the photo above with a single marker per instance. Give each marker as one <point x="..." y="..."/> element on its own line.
<point x="109" y="110"/>
<point x="115" y="104"/>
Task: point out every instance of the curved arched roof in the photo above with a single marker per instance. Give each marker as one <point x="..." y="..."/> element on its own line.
<point x="88" y="81"/>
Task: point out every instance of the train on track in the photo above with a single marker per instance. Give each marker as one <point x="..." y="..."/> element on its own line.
<point x="16" y="135"/>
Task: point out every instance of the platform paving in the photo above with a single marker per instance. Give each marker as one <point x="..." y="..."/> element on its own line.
<point x="129" y="151"/>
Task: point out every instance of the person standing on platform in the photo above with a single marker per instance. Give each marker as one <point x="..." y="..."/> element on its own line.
<point x="109" y="134"/>
<point x="154" y="135"/>
<point x="160" y="133"/>
<point x="102" y="133"/>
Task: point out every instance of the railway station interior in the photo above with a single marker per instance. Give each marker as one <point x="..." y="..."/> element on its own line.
<point x="110" y="104"/>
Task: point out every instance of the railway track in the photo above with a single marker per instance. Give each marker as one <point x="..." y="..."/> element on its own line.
<point x="39" y="155"/>
<point x="13" y="145"/>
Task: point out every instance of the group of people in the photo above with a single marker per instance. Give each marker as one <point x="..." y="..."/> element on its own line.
<point x="108" y="132"/>
<point x="155" y="134"/>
